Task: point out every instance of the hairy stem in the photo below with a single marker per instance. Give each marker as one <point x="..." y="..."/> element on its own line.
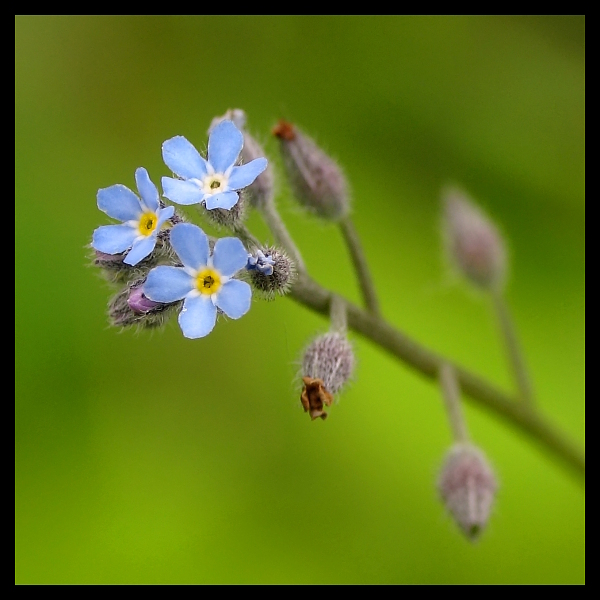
<point x="282" y="236"/>
<point x="310" y="294"/>
<point x="360" y="264"/>
<point x="451" y="395"/>
<point x="513" y="349"/>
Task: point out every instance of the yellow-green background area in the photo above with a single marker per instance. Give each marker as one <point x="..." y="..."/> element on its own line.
<point x="150" y="458"/>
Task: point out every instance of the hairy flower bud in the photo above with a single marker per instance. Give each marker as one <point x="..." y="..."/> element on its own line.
<point x="327" y="365"/>
<point x="315" y="178"/>
<point x="473" y="242"/>
<point x="130" y="307"/>
<point x="260" y="191"/>
<point x="467" y="486"/>
<point x="270" y="271"/>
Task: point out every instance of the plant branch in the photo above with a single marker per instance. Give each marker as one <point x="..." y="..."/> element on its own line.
<point x="451" y="395"/>
<point x="310" y="294"/>
<point x="360" y="264"/>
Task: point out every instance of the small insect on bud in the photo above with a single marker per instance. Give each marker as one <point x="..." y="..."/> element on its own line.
<point x="315" y="178"/>
<point x="271" y="271"/>
<point x="130" y="307"/>
<point x="260" y="191"/>
<point x="467" y="486"/>
<point x="327" y="365"/>
<point x="472" y="241"/>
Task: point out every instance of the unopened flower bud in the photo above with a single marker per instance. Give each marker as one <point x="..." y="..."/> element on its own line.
<point x="473" y="242"/>
<point x="316" y="180"/>
<point x="260" y="191"/>
<point x="327" y="365"/>
<point x="130" y="307"/>
<point x="270" y="271"/>
<point x="467" y="486"/>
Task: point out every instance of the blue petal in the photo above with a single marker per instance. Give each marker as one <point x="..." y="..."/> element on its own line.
<point x="191" y="245"/>
<point x="242" y="176"/>
<point x="182" y="192"/>
<point x="182" y="158"/>
<point x="224" y="146"/>
<point x="198" y="316"/>
<point x="113" y="239"/>
<point x="234" y="298"/>
<point x="119" y="202"/>
<point x="140" y="249"/>
<point x="147" y="189"/>
<point x="163" y="215"/>
<point x="224" y="200"/>
<point x="229" y="256"/>
<point x="168" y="284"/>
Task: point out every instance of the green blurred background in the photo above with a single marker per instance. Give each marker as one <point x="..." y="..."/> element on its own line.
<point x="150" y="458"/>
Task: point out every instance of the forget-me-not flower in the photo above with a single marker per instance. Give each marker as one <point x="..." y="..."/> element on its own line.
<point x="142" y="219"/>
<point x="213" y="180"/>
<point x="205" y="282"/>
<point x="260" y="262"/>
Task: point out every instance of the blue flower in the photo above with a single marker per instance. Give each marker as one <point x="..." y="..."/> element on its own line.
<point x="260" y="262"/>
<point x="142" y="219"/>
<point x="205" y="282"/>
<point x="215" y="180"/>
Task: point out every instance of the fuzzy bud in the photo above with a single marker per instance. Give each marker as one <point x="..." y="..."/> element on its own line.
<point x="473" y="242"/>
<point x="327" y="365"/>
<point x="229" y="219"/>
<point x="467" y="486"/>
<point x="130" y="307"/>
<point x="270" y="271"/>
<point x="260" y="191"/>
<point x="315" y="178"/>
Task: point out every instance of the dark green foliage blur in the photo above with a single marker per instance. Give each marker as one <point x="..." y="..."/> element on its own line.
<point x="150" y="458"/>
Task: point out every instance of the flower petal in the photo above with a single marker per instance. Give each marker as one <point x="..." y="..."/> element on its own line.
<point x="168" y="284"/>
<point x="244" y="175"/>
<point x="191" y="245"/>
<point x="182" y="158"/>
<point x="113" y="239"/>
<point x="224" y="146"/>
<point x="234" y="298"/>
<point x="140" y="249"/>
<point x="198" y="316"/>
<point x="229" y="256"/>
<point x="226" y="200"/>
<point x="182" y="192"/>
<point x="163" y="215"/>
<point x="119" y="202"/>
<point x="147" y="189"/>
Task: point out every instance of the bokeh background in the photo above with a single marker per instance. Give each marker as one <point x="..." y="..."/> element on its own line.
<point x="149" y="458"/>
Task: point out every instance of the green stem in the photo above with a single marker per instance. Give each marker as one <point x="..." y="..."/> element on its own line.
<point x="310" y="294"/>
<point x="360" y="264"/>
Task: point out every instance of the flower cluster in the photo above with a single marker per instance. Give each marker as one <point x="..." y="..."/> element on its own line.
<point x="166" y="263"/>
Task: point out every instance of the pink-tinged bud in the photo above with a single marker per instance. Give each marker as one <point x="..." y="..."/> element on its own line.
<point x="260" y="191"/>
<point x="467" y="486"/>
<point x="139" y="303"/>
<point x="130" y="307"/>
<point x="473" y="242"/>
<point x="327" y="365"/>
<point x="316" y="180"/>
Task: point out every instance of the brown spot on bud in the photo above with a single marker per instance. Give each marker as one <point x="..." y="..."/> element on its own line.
<point x="284" y="130"/>
<point x="314" y="396"/>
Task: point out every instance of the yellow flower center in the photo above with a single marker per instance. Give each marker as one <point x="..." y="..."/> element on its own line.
<point x="147" y="223"/>
<point x="215" y="183"/>
<point x="208" y="281"/>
